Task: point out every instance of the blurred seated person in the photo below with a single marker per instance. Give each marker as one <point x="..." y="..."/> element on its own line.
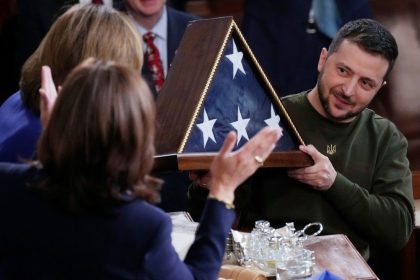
<point x="81" y="32"/>
<point x="82" y="211"/>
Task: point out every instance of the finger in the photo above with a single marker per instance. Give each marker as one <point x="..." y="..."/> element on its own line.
<point x="46" y="77"/>
<point x="228" y="144"/>
<point x="192" y="176"/>
<point x="306" y="176"/>
<point x="304" y="170"/>
<point x="272" y="137"/>
<point x="44" y="100"/>
<point x="42" y="93"/>
<point x="263" y="143"/>
<point x="310" y="150"/>
<point x="205" y="179"/>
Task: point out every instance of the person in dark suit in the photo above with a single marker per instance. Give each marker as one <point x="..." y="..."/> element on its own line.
<point x="82" y="211"/>
<point x="169" y="25"/>
<point x="286" y="37"/>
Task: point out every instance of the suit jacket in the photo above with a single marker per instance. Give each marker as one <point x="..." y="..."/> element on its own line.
<point x="177" y="23"/>
<point x="20" y="129"/>
<point x="174" y="190"/>
<point x="175" y="187"/>
<point x="276" y="33"/>
<point x="130" y="241"/>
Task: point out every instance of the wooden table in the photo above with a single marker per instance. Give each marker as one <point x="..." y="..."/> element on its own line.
<point x="334" y="253"/>
<point x="337" y="254"/>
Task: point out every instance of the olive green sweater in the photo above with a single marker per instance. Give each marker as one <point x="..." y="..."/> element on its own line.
<point x="371" y="199"/>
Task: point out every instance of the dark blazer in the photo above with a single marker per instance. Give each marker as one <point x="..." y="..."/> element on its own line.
<point x="276" y="32"/>
<point x="174" y="190"/>
<point x="131" y="241"/>
<point x="177" y="22"/>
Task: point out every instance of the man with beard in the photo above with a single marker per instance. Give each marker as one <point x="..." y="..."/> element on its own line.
<point x="360" y="184"/>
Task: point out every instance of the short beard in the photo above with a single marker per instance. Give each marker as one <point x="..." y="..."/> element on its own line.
<point x="323" y="98"/>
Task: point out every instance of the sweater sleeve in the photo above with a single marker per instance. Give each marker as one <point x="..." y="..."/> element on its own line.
<point x="205" y="255"/>
<point x="383" y="212"/>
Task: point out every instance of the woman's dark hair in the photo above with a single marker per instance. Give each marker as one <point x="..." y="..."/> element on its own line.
<point x="98" y="146"/>
<point x="81" y="32"/>
<point x="369" y="35"/>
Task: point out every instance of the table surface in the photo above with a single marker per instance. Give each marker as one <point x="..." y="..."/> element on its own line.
<point x="334" y="253"/>
<point x="337" y="254"/>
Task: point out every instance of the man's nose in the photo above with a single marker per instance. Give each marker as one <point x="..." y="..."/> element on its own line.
<point x="350" y="86"/>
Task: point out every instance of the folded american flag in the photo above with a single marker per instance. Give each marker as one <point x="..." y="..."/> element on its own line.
<point x="236" y="100"/>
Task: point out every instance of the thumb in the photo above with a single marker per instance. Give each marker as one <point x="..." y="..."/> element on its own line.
<point x="311" y="151"/>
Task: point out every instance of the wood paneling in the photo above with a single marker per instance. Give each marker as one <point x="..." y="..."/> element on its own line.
<point x="399" y="100"/>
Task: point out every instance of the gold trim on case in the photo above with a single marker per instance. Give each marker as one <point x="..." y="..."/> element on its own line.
<point x="210" y="79"/>
<point x="206" y="88"/>
<point x="272" y="91"/>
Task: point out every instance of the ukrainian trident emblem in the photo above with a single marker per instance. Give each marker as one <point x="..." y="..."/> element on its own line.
<point x="331" y="149"/>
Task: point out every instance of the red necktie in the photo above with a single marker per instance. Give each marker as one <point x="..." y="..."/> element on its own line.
<point x="99" y="2"/>
<point x="153" y="60"/>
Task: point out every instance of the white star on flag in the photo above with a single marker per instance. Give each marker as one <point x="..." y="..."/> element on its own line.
<point x="274" y="120"/>
<point x="236" y="59"/>
<point x="240" y="126"/>
<point x="207" y="128"/>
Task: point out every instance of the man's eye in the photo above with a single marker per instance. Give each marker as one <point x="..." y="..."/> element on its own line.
<point x="341" y="70"/>
<point x="366" y="84"/>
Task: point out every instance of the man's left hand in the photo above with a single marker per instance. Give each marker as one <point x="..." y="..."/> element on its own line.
<point x="320" y="176"/>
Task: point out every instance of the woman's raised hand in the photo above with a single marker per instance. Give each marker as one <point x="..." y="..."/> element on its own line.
<point x="229" y="169"/>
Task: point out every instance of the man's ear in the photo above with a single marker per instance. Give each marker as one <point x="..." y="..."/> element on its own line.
<point x="322" y="59"/>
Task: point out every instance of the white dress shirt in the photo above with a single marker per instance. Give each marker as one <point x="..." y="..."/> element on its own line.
<point x="161" y="39"/>
<point x="106" y="2"/>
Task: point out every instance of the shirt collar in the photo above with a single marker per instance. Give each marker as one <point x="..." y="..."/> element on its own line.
<point x="106" y="2"/>
<point x="160" y="29"/>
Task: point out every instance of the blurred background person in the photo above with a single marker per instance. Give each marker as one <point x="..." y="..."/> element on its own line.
<point x="25" y="24"/>
<point x="161" y="28"/>
<point x="287" y="36"/>
<point x="81" y="32"/>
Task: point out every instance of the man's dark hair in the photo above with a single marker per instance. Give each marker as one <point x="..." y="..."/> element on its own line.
<point x="369" y="35"/>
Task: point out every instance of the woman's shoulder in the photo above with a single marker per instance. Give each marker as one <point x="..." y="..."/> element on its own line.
<point x="19" y="173"/>
<point x="145" y="213"/>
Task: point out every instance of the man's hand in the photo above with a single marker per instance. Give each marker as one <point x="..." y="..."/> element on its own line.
<point x="200" y="177"/>
<point x="320" y="176"/>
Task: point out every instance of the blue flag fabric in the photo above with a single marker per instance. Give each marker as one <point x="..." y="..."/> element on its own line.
<point x="236" y="100"/>
<point x="325" y="275"/>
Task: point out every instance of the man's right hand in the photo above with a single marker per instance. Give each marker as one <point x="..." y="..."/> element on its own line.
<point x="200" y="177"/>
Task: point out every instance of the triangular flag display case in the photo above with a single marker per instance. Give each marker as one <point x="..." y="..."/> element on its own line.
<point x="216" y="85"/>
